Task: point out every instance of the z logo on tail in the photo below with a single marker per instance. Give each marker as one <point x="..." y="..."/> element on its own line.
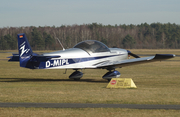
<point x="23" y="50"/>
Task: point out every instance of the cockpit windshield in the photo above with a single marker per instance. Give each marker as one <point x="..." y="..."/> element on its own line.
<point x="92" y="46"/>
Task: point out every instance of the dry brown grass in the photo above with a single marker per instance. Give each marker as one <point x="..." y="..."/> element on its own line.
<point x="158" y="83"/>
<point x="85" y="112"/>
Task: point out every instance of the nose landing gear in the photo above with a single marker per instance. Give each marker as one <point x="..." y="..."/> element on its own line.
<point x="111" y="74"/>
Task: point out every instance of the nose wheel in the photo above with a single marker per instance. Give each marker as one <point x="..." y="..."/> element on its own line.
<point x="111" y="74"/>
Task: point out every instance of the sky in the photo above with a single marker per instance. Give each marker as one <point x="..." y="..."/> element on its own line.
<point x="18" y="13"/>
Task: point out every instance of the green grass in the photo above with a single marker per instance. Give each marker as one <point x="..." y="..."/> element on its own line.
<point x="157" y="83"/>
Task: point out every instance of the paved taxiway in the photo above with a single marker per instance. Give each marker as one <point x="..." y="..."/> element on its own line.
<point x="80" y="105"/>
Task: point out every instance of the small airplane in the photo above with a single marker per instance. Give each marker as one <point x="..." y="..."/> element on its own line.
<point x="89" y="54"/>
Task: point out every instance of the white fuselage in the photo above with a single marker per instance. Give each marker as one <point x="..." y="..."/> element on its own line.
<point x="76" y="58"/>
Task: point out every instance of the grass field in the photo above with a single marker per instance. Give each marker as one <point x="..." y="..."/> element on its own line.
<point x="157" y="83"/>
<point x="85" y="112"/>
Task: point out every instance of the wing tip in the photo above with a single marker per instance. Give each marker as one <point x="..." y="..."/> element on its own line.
<point x="164" y="56"/>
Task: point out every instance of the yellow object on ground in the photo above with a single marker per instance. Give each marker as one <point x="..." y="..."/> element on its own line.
<point x="121" y="83"/>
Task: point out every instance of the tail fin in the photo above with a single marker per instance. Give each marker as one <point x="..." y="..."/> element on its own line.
<point x="27" y="58"/>
<point x="25" y="50"/>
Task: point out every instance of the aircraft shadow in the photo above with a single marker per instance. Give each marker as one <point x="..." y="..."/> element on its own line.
<point x="49" y="80"/>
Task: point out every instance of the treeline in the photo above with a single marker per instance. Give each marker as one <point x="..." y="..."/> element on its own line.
<point x="143" y="36"/>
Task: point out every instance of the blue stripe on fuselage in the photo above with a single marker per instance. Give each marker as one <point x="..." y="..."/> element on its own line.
<point x="62" y="62"/>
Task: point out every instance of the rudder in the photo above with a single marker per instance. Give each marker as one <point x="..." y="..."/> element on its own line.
<point x="24" y="48"/>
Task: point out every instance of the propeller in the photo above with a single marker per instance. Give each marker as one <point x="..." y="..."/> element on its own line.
<point x="134" y="55"/>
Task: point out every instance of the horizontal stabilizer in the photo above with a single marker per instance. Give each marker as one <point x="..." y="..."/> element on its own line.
<point x="44" y="58"/>
<point x="15" y="57"/>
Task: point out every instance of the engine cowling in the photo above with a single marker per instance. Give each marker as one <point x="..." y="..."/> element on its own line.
<point x="112" y="74"/>
<point x="76" y="75"/>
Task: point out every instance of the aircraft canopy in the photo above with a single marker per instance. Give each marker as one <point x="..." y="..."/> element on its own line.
<point x="92" y="46"/>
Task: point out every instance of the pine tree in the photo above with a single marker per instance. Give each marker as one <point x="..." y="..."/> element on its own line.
<point x="38" y="41"/>
<point x="128" y="41"/>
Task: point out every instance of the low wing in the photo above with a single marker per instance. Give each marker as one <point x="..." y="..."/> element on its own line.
<point x="128" y="62"/>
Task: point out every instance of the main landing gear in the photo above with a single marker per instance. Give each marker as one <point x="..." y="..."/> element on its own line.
<point x="77" y="75"/>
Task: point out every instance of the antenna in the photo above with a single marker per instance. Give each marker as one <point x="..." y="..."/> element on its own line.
<point x="60" y="43"/>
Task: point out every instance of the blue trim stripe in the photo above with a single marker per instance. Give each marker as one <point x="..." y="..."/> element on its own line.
<point x="62" y="62"/>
